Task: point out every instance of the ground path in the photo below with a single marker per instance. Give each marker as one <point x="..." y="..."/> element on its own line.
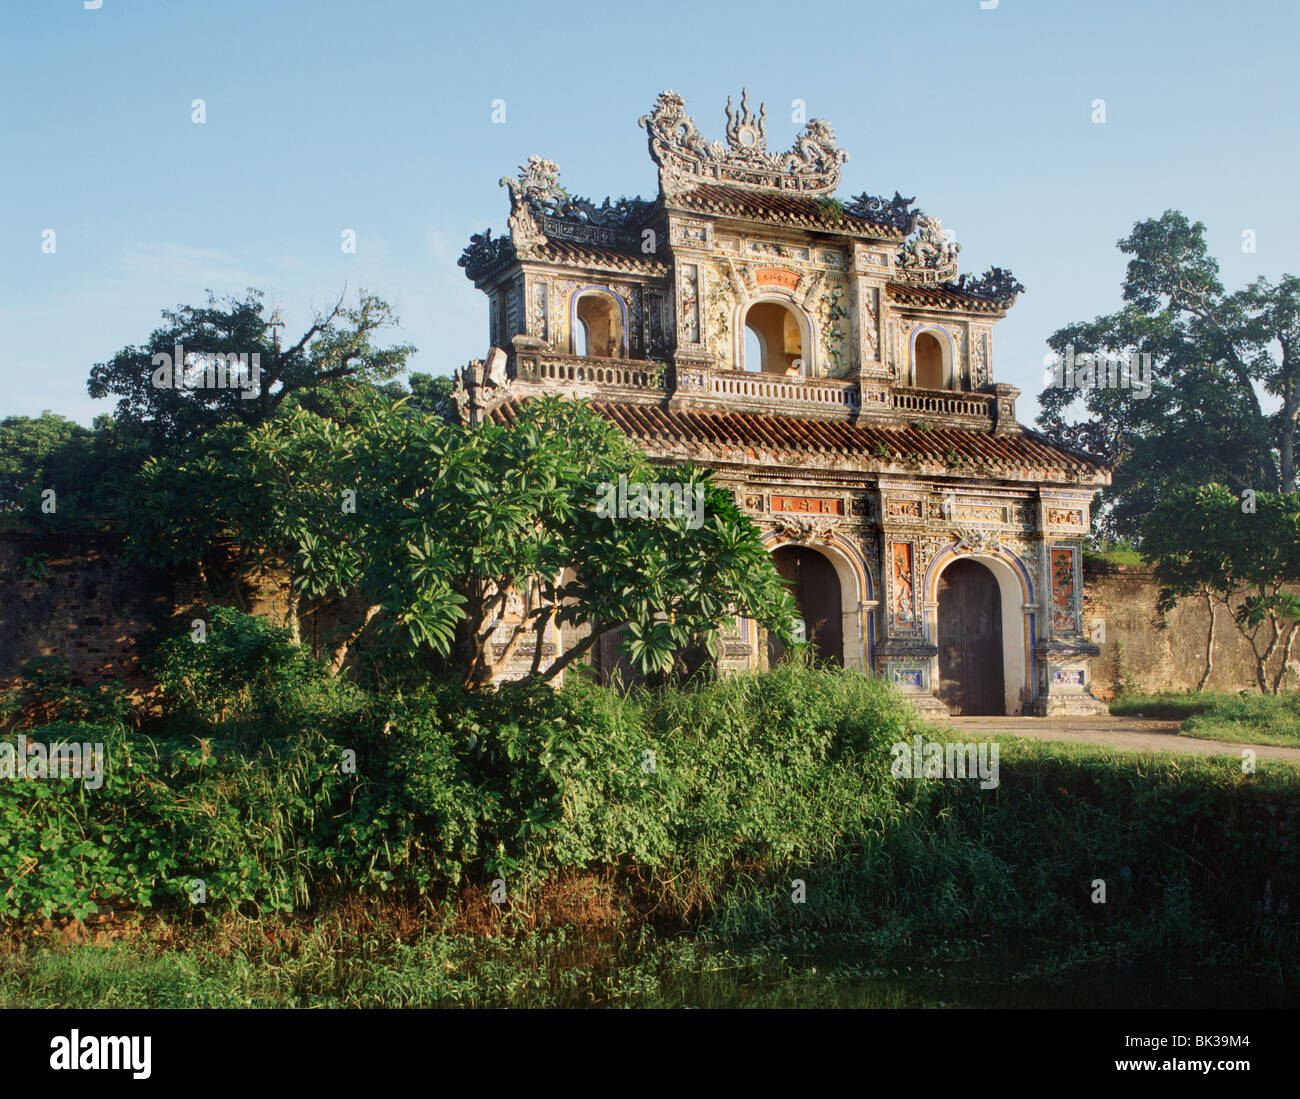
<point x="1130" y="734"/>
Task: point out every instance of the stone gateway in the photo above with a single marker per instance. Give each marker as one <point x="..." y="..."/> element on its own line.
<point x="827" y="359"/>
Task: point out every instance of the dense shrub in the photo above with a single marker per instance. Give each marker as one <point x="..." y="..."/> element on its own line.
<point x="242" y="669"/>
<point x="44" y="693"/>
<point x="279" y="786"/>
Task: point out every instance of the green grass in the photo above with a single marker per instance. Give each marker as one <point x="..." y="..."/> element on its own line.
<point x="1214" y="715"/>
<point x="1104" y="554"/>
<point x="1114" y="557"/>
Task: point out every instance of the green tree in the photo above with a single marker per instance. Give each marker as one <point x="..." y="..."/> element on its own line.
<point x="1213" y="352"/>
<point x="1242" y="552"/>
<point x="432" y="393"/>
<point x="86" y="468"/>
<point x="277" y="500"/>
<point x="337" y="351"/>
<point x="467" y="542"/>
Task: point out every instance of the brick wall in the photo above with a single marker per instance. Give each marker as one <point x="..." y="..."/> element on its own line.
<point x="68" y="595"/>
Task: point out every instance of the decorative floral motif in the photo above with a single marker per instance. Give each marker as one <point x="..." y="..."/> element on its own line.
<point x="979" y="357"/>
<point x="831" y="314"/>
<point x="537" y="310"/>
<point x="871" y="325"/>
<point x="719" y="318"/>
<point x="690" y="305"/>
<point x="908" y="677"/>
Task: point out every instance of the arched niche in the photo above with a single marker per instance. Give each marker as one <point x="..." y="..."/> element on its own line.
<point x="1018" y="618"/>
<point x="932" y="358"/>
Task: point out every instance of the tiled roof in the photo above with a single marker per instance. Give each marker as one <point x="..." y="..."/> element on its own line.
<point x="584" y="255"/>
<point x="714" y="198"/>
<point x="939" y="297"/>
<point x="864" y="444"/>
<point x="878" y="443"/>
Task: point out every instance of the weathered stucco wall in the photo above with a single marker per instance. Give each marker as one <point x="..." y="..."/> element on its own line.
<point x="1156" y="659"/>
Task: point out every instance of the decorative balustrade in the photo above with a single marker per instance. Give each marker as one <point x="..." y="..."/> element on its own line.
<point x="766" y="387"/>
<point x="810" y="395"/>
<point x="616" y="373"/>
<point x="935" y="402"/>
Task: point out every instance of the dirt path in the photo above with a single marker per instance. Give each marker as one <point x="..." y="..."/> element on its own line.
<point x="1126" y="733"/>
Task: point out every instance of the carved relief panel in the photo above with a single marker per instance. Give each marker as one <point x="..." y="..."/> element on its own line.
<point x="688" y="309"/>
<point x="902" y="595"/>
<point x="654" y="321"/>
<point x="539" y="308"/>
<point x="1065" y="584"/>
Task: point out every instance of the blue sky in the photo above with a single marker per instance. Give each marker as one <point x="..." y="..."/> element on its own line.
<point x="324" y="116"/>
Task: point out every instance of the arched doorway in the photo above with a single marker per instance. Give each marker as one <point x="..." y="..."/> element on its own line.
<point x="970" y="640"/>
<point x="813" y="582"/>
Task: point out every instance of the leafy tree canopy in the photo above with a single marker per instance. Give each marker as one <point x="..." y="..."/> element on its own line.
<point x="84" y="468"/>
<point x="1213" y="354"/>
<point x="1243" y="551"/>
<point x="469" y="543"/>
<point x="167" y="403"/>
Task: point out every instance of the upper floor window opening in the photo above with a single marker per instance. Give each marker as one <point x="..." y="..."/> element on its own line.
<point x="599" y="330"/>
<point x="774" y="340"/>
<point x="931" y="361"/>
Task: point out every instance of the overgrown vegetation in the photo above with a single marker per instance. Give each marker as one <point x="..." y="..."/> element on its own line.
<point x="1240" y="554"/>
<point x="1244" y="718"/>
<point x="435" y="533"/>
<point x="1102" y="552"/>
<point x="609" y="826"/>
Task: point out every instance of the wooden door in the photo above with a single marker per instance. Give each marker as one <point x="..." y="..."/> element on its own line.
<point x="813" y="582"/>
<point x="970" y="640"/>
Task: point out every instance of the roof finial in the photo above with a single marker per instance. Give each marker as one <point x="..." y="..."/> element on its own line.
<point x="745" y="131"/>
